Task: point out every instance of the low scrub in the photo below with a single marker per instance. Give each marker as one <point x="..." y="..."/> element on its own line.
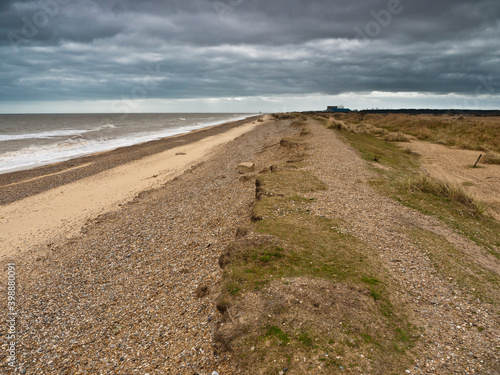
<point x="426" y="184"/>
<point x="396" y="137"/>
<point x="467" y="132"/>
<point x="491" y="158"/>
<point x="358" y="128"/>
<point x="286" y="116"/>
<point x="367" y="129"/>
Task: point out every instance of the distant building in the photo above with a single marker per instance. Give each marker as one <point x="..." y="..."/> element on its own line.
<point x="337" y="108"/>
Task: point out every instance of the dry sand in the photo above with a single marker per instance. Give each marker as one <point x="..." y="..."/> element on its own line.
<point x="455" y="166"/>
<point x="62" y="211"/>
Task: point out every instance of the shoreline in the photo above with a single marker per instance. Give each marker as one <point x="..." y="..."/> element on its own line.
<point x="55" y="201"/>
<point x="123" y="295"/>
<point x="52" y="175"/>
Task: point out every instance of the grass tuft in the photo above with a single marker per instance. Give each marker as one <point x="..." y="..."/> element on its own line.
<point x="396" y="137"/>
<point x="454" y="192"/>
<point x="334" y="124"/>
<point x="491" y="158"/>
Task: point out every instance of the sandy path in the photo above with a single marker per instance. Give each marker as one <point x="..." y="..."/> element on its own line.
<point x="454" y="165"/>
<point x="62" y="211"/>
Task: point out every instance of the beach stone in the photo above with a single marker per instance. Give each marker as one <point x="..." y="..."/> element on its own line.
<point x="246" y="167"/>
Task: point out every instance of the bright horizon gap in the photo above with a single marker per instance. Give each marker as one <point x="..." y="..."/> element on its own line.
<point x="256" y="104"/>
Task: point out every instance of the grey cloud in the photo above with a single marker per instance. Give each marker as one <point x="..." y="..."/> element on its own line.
<point x="107" y="49"/>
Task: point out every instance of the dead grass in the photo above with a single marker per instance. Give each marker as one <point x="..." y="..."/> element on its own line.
<point x="467" y="132"/>
<point x="423" y="183"/>
<point x="490" y="157"/>
<point x="334" y="124"/>
<point x="287" y="116"/>
<point x="367" y="129"/>
<point x="396" y="137"/>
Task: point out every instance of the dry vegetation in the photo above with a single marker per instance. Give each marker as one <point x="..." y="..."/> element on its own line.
<point x="468" y="132"/>
<point x="426" y="184"/>
<point x="402" y="179"/>
<point x="396" y="137"/>
<point x="491" y="157"/>
<point x="478" y="133"/>
<point x="287" y="116"/>
<point x="336" y="124"/>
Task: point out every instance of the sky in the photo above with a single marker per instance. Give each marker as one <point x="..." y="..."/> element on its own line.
<point x="124" y="56"/>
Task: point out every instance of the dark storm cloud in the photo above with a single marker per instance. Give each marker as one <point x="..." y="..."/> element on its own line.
<point x="69" y="49"/>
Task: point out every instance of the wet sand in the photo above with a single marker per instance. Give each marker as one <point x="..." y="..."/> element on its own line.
<point x="21" y="184"/>
<point x="55" y="201"/>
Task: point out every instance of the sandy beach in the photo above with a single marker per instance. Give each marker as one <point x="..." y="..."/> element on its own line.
<point x="53" y="202"/>
<point x="128" y="279"/>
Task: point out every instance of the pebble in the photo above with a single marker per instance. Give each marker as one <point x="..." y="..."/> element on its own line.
<point x="119" y="297"/>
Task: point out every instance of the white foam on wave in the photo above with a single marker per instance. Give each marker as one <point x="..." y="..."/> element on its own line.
<point x="53" y="133"/>
<point x="35" y="156"/>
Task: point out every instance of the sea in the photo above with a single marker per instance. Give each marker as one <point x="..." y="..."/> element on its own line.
<point x="28" y="141"/>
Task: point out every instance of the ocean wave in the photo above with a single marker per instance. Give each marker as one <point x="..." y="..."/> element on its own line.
<point x="107" y="126"/>
<point x="76" y="146"/>
<point x="54" y="133"/>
